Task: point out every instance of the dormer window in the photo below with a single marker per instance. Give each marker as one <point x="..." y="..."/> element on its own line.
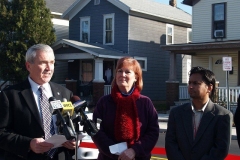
<point x="219" y="20"/>
<point x="108" y="29"/>
<point x="96" y="2"/>
<point x="85" y="29"/>
<point x="169" y="34"/>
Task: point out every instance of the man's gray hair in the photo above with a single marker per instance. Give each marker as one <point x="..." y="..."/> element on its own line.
<point x="32" y="51"/>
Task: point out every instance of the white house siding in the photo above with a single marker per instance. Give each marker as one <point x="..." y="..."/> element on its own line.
<point x="61" y="28"/>
<point x="207" y="60"/>
<point x="186" y="67"/>
<point x="202" y="20"/>
<point x="233" y="20"/>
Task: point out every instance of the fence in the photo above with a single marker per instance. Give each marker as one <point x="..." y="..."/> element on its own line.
<point x="221" y="93"/>
<point x="107" y="89"/>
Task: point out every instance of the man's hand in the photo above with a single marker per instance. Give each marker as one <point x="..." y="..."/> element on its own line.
<point x="38" y="145"/>
<point x="128" y="154"/>
<point x="69" y="144"/>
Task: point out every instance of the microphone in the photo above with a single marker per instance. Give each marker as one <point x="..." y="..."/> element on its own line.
<point x="78" y="104"/>
<point x="56" y="107"/>
<point x="67" y="107"/>
<point x="88" y="125"/>
<point x="67" y="112"/>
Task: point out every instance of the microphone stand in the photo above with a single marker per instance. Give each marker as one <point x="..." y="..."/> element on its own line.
<point x="77" y="130"/>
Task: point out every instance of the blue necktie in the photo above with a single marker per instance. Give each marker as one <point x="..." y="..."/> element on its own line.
<point x="46" y="118"/>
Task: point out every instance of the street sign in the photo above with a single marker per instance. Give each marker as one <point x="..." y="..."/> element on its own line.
<point x="227" y="63"/>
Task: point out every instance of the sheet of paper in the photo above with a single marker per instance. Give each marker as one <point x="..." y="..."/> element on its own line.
<point x="118" y="148"/>
<point x="58" y="140"/>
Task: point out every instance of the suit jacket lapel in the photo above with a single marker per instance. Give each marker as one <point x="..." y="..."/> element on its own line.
<point x="29" y="98"/>
<point x="56" y="92"/>
<point x="187" y="121"/>
<point x="208" y="115"/>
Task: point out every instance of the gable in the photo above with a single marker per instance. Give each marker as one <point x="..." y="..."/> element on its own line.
<point x="141" y="7"/>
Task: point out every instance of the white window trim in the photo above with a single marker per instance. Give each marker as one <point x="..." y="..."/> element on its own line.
<point x="169" y="26"/>
<point x="96" y="2"/>
<point x="188" y="30"/>
<point x="142" y="59"/>
<point x="105" y="16"/>
<point x="81" y="20"/>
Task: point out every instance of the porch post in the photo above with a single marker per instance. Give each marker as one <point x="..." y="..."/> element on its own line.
<point x="98" y="81"/>
<point x="172" y="85"/>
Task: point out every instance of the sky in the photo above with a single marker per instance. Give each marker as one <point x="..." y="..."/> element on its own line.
<point x="184" y="7"/>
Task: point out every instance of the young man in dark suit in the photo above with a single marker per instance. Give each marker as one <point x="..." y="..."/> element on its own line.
<point x="200" y="130"/>
<point x="22" y="131"/>
<point x="237" y="120"/>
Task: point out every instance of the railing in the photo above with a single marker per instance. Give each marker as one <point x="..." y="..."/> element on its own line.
<point x="233" y="93"/>
<point x="183" y="93"/>
<point x="107" y="89"/>
<point x="221" y="93"/>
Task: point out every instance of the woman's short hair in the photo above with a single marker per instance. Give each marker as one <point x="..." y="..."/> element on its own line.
<point x="130" y="62"/>
<point x="32" y="51"/>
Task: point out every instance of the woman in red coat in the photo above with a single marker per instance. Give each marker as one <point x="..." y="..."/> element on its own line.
<point x="126" y="116"/>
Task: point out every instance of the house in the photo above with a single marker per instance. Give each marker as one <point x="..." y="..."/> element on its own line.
<point x="215" y="34"/>
<point x="102" y="31"/>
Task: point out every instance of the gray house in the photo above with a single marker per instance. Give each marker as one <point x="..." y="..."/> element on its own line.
<point x="102" y="31"/>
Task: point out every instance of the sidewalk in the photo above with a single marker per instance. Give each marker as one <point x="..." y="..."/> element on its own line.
<point x="163" y="119"/>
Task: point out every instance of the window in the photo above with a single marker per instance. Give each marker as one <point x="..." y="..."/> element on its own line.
<point x="142" y="61"/>
<point x="219" y="20"/>
<point x="169" y="34"/>
<point x="108" y="29"/>
<point x="189" y="35"/>
<point x="96" y="2"/>
<point x="85" y="29"/>
<point x="87" y="71"/>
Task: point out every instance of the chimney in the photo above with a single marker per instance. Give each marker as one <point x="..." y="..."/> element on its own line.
<point x="173" y="3"/>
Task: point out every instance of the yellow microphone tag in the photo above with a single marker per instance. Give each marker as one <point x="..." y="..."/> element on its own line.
<point x="67" y="107"/>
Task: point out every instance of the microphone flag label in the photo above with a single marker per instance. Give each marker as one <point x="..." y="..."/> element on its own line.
<point x="55" y="105"/>
<point x="67" y="107"/>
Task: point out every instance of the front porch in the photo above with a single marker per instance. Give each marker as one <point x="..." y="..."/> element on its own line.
<point x="207" y="55"/>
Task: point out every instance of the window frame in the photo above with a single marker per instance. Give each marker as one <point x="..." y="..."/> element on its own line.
<point x="105" y="17"/>
<point x="96" y="2"/>
<point x="172" y="27"/>
<point x="144" y="59"/>
<point x="218" y="22"/>
<point x="83" y="19"/>
<point x="188" y="36"/>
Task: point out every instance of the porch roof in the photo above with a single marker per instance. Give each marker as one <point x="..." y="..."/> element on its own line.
<point x="94" y="49"/>
<point x="191" y="48"/>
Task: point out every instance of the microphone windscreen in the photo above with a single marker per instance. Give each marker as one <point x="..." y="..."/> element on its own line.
<point x="52" y="99"/>
<point x="74" y="99"/>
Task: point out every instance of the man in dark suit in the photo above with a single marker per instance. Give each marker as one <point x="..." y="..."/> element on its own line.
<point x="22" y="134"/>
<point x="200" y="130"/>
<point x="237" y="120"/>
